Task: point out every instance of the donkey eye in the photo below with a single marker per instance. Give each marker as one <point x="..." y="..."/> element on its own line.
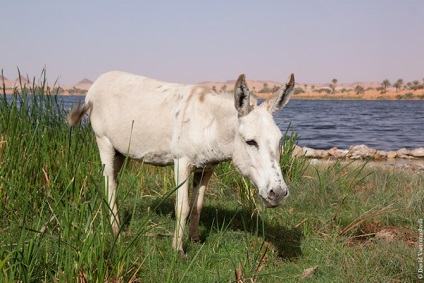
<point x="252" y="143"/>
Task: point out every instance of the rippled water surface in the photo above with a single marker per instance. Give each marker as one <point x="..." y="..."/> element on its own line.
<point x="384" y="125"/>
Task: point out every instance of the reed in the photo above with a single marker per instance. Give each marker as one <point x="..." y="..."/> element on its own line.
<point x="54" y="217"/>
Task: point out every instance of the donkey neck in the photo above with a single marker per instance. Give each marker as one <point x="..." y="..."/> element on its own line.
<point x="226" y="120"/>
<point x="210" y="123"/>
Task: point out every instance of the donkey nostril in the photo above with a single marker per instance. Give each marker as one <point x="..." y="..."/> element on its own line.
<point x="271" y="193"/>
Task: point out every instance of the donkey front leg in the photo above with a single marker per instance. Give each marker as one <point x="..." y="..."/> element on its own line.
<point x="200" y="182"/>
<point x="182" y="207"/>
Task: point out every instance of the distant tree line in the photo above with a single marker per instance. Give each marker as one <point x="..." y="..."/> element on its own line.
<point x="77" y="91"/>
<point x="331" y="89"/>
<point x="385" y="84"/>
<point x="267" y="89"/>
<point x="400" y="85"/>
<point x="73" y="91"/>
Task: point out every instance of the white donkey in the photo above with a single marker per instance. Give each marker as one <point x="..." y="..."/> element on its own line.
<point x="191" y="127"/>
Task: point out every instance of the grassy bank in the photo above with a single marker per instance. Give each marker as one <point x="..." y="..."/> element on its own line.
<point x="348" y="223"/>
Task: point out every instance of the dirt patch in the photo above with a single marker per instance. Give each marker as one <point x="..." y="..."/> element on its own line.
<point x="418" y="168"/>
<point x="375" y="231"/>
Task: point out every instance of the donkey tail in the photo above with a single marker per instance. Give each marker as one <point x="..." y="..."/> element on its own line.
<point x="77" y="112"/>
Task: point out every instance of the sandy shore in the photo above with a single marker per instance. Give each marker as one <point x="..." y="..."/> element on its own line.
<point x="367" y="95"/>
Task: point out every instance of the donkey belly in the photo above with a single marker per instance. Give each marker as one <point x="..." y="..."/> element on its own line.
<point x="140" y="137"/>
<point x="137" y="122"/>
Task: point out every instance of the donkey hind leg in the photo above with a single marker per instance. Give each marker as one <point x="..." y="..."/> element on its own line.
<point x="182" y="207"/>
<point x="200" y="182"/>
<point x="112" y="161"/>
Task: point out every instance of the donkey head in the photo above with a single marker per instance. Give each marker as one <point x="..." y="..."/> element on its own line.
<point x="257" y="145"/>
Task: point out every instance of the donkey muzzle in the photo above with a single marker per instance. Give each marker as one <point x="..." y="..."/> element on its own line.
<point x="276" y="196"/>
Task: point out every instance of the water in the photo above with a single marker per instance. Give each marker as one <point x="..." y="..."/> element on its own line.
<point x="383" y="125"/>
<point x="322" y="124"/>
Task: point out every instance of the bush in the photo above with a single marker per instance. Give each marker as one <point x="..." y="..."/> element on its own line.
<point x="406" y="96"/>
<point x="298" y="90"/>
<point x="77" y="91"/>
<point x="325" y="90"/>
<point x="359" y="89"/>
<point x="265" y="90"/>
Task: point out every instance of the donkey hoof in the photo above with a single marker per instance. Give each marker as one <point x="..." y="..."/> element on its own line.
<point x="196" y="241"/>
<point x="195" y="238"/>
<point x="181" y="254"/>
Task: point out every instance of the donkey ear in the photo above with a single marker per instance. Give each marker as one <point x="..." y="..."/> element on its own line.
<point x="242" y="96"/>
<point x="280" y="98"/>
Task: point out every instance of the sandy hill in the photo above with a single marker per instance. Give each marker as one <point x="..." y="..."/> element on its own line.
<point x="12" y="83"/>
<point x="22" y="79"/>
<point x="85" y="81"/>
<point x="339" y="86"/>
<point x="257" y="85"/>
<point x="84" y="84"/>
<point x="363" y="84"/>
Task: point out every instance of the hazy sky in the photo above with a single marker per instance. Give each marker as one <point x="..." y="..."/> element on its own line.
<point x="195" y="41"/>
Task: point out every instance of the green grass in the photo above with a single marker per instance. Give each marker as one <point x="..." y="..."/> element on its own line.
<point x="54" y="219"/>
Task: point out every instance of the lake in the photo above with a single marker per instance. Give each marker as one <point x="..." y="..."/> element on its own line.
<point x="322" y="124"/>
<point x="383" y="125"/>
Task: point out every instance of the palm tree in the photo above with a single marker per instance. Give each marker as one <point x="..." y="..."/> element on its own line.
<point x="265" y="89"/>
<point x="415" y="85"/>
<point x="385" y="84"/>
<point x="398" y="84"/>
<point x="333" y="85"/>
